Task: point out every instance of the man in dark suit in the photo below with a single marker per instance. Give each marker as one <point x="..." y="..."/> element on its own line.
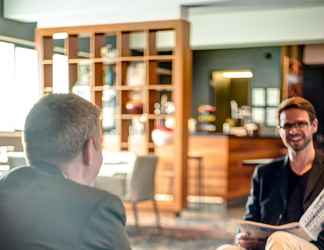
<point x="51" y="204"/>
<point x="283" y="189"/>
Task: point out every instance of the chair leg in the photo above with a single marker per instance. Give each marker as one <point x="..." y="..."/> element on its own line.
<point x="157" y="214"/>
<point x="134" y="205"/>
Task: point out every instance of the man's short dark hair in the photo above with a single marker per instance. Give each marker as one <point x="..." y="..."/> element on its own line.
<point x="57" y="128"/>
<point x="298" y="103"/>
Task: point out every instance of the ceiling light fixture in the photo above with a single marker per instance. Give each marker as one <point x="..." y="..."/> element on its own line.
<point x="237" y="74"/>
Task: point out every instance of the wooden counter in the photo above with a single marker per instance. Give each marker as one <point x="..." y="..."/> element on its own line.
<point x="223" y="174"/>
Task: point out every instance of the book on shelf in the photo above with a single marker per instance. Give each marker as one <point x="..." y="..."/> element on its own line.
<point x="308" y="227"/>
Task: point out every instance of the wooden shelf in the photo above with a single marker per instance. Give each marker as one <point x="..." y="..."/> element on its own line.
<point x="165" y="78"/>
<point x="159" y="117"/>
<point x="129" y="116"/>
<point x="161" y="87"/>
<point x="161" y="58"/>
<point x="133" y="59"/>
<point x="80" y="60"/>
<point x="103" y="88"/>
<point x="130" y="88"/>
<point x="106" y="60"/>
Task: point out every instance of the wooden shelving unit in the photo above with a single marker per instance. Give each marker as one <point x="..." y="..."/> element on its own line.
<point x="106" y="53"/>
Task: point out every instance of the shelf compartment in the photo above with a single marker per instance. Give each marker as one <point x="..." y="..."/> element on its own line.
<point x="78" y="46"/>
<point x="134" y="74"/>
<point x="160" y="72"/>
<point x="109" y="110"/>
<point x="165" y="41"/>
<point x="132" y="102"/>
<point x="83" y="47"/>
<point x="160" y="102"/>
<point x="109" y="74"/>
<point x="106" y="46"/>
<point x="80" y="73"/>
<point x="133" y="43"/>
<point x="104" y="75"/>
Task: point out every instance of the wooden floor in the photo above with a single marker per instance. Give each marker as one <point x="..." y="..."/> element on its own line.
<point x="215" y="220"/>
<point x="206" y="215"/>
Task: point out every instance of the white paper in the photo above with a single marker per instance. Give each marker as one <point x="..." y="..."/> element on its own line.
<point x="308" y="227"/>
<point x="262" y="231"/>
<point x="313" y="217"/>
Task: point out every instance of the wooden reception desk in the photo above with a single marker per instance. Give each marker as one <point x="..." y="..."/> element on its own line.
<point x="223" y="173"/>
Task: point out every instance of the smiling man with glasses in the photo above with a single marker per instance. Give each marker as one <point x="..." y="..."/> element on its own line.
<point x="283" y="189"/>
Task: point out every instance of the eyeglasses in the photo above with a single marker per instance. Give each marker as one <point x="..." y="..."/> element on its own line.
<point x="297" y="125"/>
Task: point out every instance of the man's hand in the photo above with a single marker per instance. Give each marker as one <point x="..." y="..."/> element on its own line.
<point x="247" y="242"/>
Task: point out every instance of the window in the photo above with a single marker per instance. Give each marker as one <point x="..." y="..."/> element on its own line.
<point x="264" y="105"/>
<point x="7" y="51"/>
<point x="19" y="85"/>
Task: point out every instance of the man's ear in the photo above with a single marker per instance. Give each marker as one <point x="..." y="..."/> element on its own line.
<point x="314" y="125"/>
<point x="86" y="153"/>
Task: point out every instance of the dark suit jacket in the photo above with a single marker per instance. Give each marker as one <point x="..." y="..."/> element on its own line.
<point x="268" y="199"/>
<point x="40" y="209"/>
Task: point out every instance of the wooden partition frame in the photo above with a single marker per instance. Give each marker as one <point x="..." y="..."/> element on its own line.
<point x="180" y="87"/>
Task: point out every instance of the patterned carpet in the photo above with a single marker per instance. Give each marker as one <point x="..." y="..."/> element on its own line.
<point x="177" y="238"/>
